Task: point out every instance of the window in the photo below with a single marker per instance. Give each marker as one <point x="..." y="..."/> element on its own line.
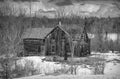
<point x="53" y="48"/>
<point x="42" y="48"/>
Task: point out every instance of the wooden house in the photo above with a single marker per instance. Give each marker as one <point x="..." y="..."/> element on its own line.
<point x="34" y="40"/>
<point x="56" y="41"/>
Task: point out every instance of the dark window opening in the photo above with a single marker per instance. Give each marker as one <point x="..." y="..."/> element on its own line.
<point x="39" y="48"/>
<point x="52" y="48"/>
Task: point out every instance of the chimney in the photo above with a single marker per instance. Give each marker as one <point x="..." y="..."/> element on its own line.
<point x="59" y="23"/>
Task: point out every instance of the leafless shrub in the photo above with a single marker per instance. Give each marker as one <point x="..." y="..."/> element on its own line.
<point x="99" y="68"/>
<point x="6" y="64"/>
<point x="27" y="70"/>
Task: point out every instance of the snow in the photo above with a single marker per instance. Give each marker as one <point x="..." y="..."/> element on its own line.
<point x="112" y="65"/>
<point x="80" y="9"/>
<point x="112" y="68"/>
<point x="112" y="56"/>
<point x="42" y="67"/>
<point x="90" y="7"/>
<point x="45" y="67"/>
<point x="83" y="71"/>
<point x="111" y="36"/>
<point x="35" y="60"/>
<point x="73" y="77"/>
<point x="108" y="56"/>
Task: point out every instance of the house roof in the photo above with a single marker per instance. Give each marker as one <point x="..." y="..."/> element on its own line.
<point x="39" y="33"/>
<point x="61" y="27"/>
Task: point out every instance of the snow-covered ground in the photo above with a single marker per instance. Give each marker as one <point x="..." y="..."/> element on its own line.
<point x="108" y="56"/>
<point x="111" y="65"/>
<point x="48" y="67"/>
<point x="41" y="67"/>
<point x="112" y="62"/>
<point x="112" y="68"/>
<point x="73" y="77"/>
<point x="83" y="71"/>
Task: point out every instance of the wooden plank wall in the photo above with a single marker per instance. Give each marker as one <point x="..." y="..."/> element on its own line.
<point x="33" y="46"/>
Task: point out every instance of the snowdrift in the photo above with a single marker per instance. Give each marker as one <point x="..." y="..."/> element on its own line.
<point x="47" y="67"/>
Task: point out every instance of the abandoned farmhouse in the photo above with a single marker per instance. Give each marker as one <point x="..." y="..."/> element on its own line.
<point x="58" y="41"/>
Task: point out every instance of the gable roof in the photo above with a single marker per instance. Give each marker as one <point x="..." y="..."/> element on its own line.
<point x="58" y="26"/>
<point x="39" y="33"/>
<point x="71" y="32"/>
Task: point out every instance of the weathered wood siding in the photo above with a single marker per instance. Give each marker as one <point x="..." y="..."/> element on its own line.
<point x="82" y="48"/>
<point x="33" y="46"/>
<point x="57" y="43"/>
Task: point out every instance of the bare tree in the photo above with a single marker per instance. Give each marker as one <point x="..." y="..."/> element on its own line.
<point x="12" y="32"/>
<point x="5" y="9"/>
<point x="60" y="13"/>
<point x="11" y="39"/>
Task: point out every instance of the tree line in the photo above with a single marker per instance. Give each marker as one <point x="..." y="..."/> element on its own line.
<point x="11" y="25"/>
